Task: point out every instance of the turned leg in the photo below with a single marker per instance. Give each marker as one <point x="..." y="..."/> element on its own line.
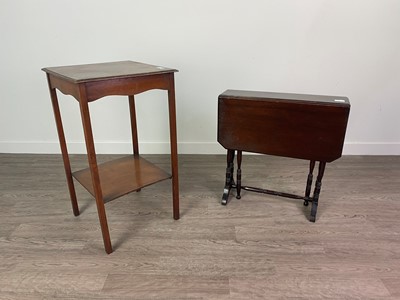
<point x="309" y="183"/>
<point x="317" y="190"/>
<point x="229" y="176"/>
<point x="239" y="174"/>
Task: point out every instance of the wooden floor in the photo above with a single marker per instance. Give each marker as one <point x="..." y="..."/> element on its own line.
<point x="259" y="247"/>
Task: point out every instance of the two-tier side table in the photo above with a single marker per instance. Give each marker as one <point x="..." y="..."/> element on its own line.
<point x="108" y="181"/>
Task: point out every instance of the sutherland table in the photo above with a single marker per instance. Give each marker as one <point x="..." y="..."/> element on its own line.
<point x="108" y="181"/>
<point x="300" y="126"/>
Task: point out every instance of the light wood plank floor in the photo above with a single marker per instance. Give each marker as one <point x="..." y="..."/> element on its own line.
<point x="259" y="247"/>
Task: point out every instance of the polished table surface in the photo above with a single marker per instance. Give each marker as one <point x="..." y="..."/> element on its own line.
<point x="102" y="71"/>
<point x="105" y="79"/>
<point x="302" y="126"/>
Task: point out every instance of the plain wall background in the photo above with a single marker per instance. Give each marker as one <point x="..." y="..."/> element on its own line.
<point x="349" y="48"/>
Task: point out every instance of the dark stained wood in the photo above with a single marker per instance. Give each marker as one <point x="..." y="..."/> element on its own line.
<point x="93" y="81"/>
<point x="103" y="79"/>
<point x="311" y="127"/>
<point x="317" y="190"/>
<point x="271" y="123"/>
<point x="309" y="182"/>
<point x="122" y="176"/>
<point x="66" y="87"/>
<point x="174" y="147"/>
<point x="239" y="174"/>
<point x="126" y="86"/>
<point x="229" y="181"/>
<point x="132" y="113"/>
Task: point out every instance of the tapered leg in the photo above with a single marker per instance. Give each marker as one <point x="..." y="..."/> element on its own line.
<point x="309" y="182"/>
<point x="132" y="111"/>
<point x="239" y="174"/>
<point x="64" y="151"/>
<point x="174" y="148"/>
<point x="135" y="141"/>
<point x="229" y="175"/>
<point x="94" y="169"/>
<point x="317" y="190"/>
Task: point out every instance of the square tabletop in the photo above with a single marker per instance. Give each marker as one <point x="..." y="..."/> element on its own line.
<point x="103" y="71"/>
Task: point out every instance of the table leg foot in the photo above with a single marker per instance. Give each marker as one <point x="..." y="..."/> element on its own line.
<point x="229" y="177"/>
<point x="309" y="183"/>
<point x="313" y="215"/>
<point x="225" y="196"/>
<point x="317" y="191"/>
<point x="239" y="174"/>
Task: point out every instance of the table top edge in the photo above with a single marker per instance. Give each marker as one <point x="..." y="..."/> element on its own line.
<point x="280" y="96"/>
<point x="58" y="72"/>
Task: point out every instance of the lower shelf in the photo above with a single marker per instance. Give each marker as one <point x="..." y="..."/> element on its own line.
<point x="122" y="176"/>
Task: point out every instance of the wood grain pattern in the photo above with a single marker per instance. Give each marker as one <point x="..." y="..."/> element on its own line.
<point x="93" y="81"/>
<point x="288" y="125"/>
<point x="104" y="71"/>
<point x="165" y="287"/>
<point x="259" y="247"/>
<point x="122" y="176"/>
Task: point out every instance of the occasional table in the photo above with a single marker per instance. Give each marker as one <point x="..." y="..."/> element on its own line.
<point x="108" y="181"/>
<point x="310" y="127"/>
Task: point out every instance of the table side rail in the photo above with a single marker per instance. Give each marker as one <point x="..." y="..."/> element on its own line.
<point x="64" y="86"/>
<point x="127" y="86"/>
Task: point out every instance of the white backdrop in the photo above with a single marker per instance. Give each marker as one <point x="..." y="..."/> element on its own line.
<point x="349" y="48"/>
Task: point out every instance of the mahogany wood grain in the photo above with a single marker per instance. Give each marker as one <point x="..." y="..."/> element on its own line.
<point x="94" y="172"/>
<point x="308" y="127"/>
<point x="106" y="71"/>
<point x="63" y="146"/>
<point x="174" y="147"/>
<point x="90" y="82"/>
<point x="132" y="113"/>
<point x="122" y="176"/>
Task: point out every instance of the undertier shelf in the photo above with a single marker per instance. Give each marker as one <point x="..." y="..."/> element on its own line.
<point x="122" y="176"/>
